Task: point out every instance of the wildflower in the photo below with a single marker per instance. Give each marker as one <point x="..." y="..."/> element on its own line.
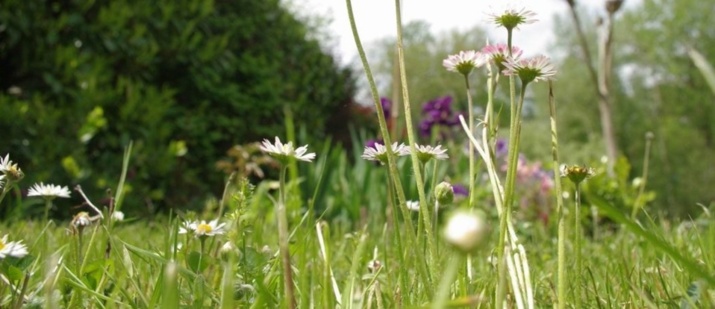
<point x="499" y="54"/>
<point x="535" y="69"/>
<point x="460" y="190"/>
<point x="576" y="173"/>
<point x="371" y="142"/>
<point x="464" y="62"/>
<point x="12" y="248"/>
<point x="202" y="228"/>
<point x="5" y="163"/>
<point x="465" y="230"/>
<point x="501" y="148"/>
<point x="379" y="152"/>
<point x="444" y="193"/>
<point x="373" y="266"/>
<point x="437" y="112"/>
<point x="117" y="216"/>
<point x="48" y="191"/>
<point x="81" y="220"/>
<point x="413" y="205"/>
<point x="511" y="17"/>
<point x="427" y="153"/>
<point x="284" y="151"/>
<point x="386" y="107"/>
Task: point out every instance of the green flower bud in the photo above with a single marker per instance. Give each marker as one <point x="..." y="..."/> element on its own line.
<point x="444" y="193"/>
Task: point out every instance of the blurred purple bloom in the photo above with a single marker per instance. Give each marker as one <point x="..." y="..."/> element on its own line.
<point x="437" y="112"/>
<point x="501" y="148"/>
<point x="371" y="142"/>
<point x="460" y="190"/>
<point x="386" y="107"/>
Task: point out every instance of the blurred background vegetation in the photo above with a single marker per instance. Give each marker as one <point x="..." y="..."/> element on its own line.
<point x="187" y="80"/>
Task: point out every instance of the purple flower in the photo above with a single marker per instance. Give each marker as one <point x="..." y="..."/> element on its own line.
<point x="386" y="107"/>
<point x="437" y="112"/>
<point x="460" y="190"/>
<point x="501" y="148"/>
<point x="371" y="143"/>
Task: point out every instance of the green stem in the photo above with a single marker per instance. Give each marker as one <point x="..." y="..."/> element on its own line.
<point x="283" y="241"/>
<point x="48" y="206"/>
<point x="5" y="189"/>
<point x="444" y="286"/>
<point x="561" y="267"/>
<point x="470" y="113"/>
<point x="577" y="247"/>
<point x="424" y="208"/>
<point x="391" y="159"/>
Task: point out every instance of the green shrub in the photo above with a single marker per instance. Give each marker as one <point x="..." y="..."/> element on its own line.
<point x="185" y="80"/>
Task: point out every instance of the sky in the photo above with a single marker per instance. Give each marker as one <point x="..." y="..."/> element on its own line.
<point x="376" y="19"/>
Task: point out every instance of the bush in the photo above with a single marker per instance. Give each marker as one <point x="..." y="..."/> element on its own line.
<point x="185" y="80"/>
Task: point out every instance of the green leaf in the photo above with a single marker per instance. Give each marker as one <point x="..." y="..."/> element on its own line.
<point x="197" y="262"/>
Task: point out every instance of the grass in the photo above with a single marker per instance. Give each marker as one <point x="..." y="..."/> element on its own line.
<point x="139" y="263"/>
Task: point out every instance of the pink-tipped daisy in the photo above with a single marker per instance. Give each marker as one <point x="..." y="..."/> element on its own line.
<point x="511" y="16"/>
<point x="532" y="69"/>
<point x="499" y="54"/>
<point x="464" y="61"/>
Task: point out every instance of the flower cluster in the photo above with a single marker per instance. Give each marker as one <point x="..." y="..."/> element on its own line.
<point x="437" y="113"/>
<point x="376" y="151"/>
<point x="535" y="187"/>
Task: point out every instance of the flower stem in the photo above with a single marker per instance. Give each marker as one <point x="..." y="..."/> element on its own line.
<point x="577" y="247"/>
<point x="283" y="241"/>
<point x="561" y="267"/>
<point x="391" y="159"/>
<point x="470" y="112"/>
<point x="444" y="286"/>
<point x="424" y="208"/>
<point x="48" y="206"/>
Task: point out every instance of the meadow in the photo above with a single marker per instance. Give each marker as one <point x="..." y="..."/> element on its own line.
<point x="463" y="222"/>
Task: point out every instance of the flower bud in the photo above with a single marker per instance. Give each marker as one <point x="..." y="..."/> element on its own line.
<point x="466" y="230"/>
<point x="444" y="193"/>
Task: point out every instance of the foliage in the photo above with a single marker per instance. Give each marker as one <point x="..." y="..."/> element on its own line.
<point x="656" y="89"/>
<point x="185" y="80"/>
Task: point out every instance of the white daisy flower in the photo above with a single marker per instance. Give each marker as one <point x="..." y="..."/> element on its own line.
<point x="12" y="248"/>
<point x="48" y="191"/>
<point x="202" y="228"/>
<point x="283" y="151"/>
<point x="117" y="216"/>
<point x="465" y="230"/>
<point x="413" y="205"/>
<point x="5" y="163"/>
<point x="428" y="152"/>
<point x="534" y="69"/>
<point x="465" y="61"/>
<point x="379" y="153"/>
<point x="81" y="220"/>
<point x="510" y="16"/>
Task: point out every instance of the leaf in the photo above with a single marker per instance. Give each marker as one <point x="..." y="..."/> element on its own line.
<point x="197" y="262"/>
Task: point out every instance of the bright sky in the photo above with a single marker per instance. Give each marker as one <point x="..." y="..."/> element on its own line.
<point x="376" y="19"/>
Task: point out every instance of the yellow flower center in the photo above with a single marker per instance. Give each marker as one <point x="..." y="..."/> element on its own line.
<point x="203" y="228"/>
<point x="2" y="245"/>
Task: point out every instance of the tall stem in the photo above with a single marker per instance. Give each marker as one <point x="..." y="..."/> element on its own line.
<point x="48" y="206"/>
<point x="561" y="268"/>
<point x="391" y="159"/>
<point x="446" y="282"/>
<point x="283" y="241"/>
<point x="577" y="247"/>
<point x="424" y="208"/>
<point x="470" y="112"/>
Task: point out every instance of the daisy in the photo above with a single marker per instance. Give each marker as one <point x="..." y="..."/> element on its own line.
<point x="283" y="151"/>
<point x="413" y="205"/>
<point x="12" y="248"/>
<point x="81" y="220"/>
<point x="511" y="16"/>
<point x="48" y="191"/>
<point x="5" y="163"/>
<point x="379" y="152"/>
<point x="464" y="62"/>
<point x="427" y="153"/>
<point x="499" y="54"/>
<point x="202" y="228"/>
<point x="535" y="69"/>
<point x="576" y="173"/>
